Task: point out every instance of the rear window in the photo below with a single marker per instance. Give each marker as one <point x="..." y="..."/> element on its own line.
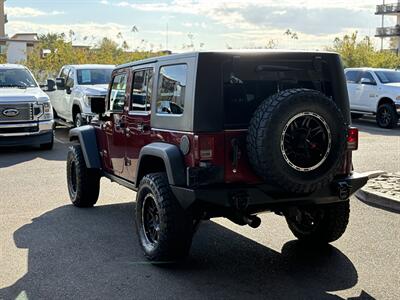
<point x="171" y="90"/>
<point x="247" y="82"/>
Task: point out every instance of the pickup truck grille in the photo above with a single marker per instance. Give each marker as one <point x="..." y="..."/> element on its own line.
<point x="16" y="112"/>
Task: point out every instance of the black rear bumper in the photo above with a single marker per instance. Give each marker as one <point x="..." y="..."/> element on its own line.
<point x="254" y="198"/>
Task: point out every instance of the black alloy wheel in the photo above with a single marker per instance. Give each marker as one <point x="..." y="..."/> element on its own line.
<point x="306" y="141"/>
<point x="150" y="219"/>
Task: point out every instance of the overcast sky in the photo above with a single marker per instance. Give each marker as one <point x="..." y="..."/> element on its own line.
<point x="214" y="23"/>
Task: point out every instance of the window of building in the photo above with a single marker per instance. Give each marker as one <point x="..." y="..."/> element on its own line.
<point x="117" y="93"/>
<point x="3" y="49"/>
<point x="171" y="90"/>
<point x="142" y="90"/>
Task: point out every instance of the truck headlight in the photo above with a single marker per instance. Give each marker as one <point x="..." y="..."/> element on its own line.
<point x="47" y="112"/>
<point x="86" y="100"/>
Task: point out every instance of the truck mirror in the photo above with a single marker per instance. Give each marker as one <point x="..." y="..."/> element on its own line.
<point x="51" y="85"/>
<point x="60" y="82"/>
<point x="98" y="105"/>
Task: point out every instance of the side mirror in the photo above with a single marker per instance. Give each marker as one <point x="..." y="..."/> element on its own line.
<point x="60" y="82"/>
<point x="367" y="81"/>
<point x="98" y="105"/>
<point x="51" y="85"/>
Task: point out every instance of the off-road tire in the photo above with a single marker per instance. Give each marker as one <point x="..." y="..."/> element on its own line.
<point x="392" y="114"/>
<point x="331" y="227"/>
<point x="79" y="120"/>
<point x="48" y="146"/>
<point x="175" y="224"/>
<point x="83" y="183"/>
<point x="266" y="131"/>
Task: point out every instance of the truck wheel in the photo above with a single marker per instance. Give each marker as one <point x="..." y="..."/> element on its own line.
<point x="165" y="229"/>
<point x="386" y="116"/>
<point x="79" y="120"/>
<point x="319" y="224"/>
<point x="297" y="139"/>
<point x="49" y="145"/>
<point x="83" y="183"/>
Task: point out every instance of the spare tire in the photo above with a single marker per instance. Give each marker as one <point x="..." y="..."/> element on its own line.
<point x="297" y="139"/>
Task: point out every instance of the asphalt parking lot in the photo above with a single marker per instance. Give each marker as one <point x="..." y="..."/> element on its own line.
<point x="51" y="250"/>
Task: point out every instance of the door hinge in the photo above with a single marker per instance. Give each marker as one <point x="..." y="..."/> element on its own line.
<point x="128" y="162"/>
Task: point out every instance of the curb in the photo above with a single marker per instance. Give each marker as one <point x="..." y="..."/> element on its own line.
<point x="378" y="199"/>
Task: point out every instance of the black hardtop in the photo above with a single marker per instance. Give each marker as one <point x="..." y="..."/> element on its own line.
<point x="227" y="53"/>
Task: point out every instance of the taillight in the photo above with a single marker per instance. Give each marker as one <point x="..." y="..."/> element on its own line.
<point x="352" y="139"/>
<point x="205" y="147"/>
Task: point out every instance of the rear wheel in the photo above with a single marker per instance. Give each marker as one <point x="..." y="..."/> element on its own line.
<point x="319" y="224"/>
<point x="83" y="183"/>
<point x="387" y="116"/>
<point x="165" y="229"/>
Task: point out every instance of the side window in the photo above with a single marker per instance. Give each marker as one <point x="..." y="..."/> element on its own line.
<point x="64" y="73"/>
<point x="171" y="89"/>
<point x="117" y="93"/>
<point x="352" y="76"/>
<point x="368" y="75"/>
<point x="142" y="90"/>
<point x="70" y="80"/>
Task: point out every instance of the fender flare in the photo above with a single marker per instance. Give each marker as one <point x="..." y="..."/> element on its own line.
<point x="172" y="158"/>
<point x="86" y="135"/>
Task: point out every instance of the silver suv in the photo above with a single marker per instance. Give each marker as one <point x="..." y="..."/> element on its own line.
<point x="26" y="115"/>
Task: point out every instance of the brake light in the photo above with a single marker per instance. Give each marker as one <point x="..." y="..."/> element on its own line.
<point x="352" y="139"/>
<point x="205" y="147"/>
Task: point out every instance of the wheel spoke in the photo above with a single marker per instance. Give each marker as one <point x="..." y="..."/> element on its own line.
<point x="306" y="141"/>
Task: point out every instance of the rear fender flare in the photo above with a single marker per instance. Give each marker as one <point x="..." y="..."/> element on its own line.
<point x="172" y="158"/>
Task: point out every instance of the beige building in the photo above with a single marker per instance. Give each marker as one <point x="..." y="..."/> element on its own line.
<point x="17" y="47"/>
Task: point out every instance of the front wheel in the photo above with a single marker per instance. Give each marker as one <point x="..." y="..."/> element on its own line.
<point x="165" y="229"/>
<point x="83" y="183"/>
<point x="387" y="116"/>
<point x="319" y="224"/>
<point x="79" y="120"/>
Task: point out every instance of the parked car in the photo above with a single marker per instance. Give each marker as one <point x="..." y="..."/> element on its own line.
<point x="75" y="88"/>
<point x="375" y="92"/>
<point x="26" y="116"/>
<point x="222" y="134"/>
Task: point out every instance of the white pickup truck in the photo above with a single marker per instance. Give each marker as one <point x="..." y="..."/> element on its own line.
<point x="74" y="89"/>
<point x="26" y="116"/>
<point x="375" y="92"/>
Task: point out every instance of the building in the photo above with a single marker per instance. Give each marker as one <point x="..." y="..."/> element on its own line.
<point x="16" y="48"/>
<point x="392" y="32"/>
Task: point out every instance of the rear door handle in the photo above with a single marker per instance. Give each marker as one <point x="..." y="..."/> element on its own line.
<point x="121" y="125"/>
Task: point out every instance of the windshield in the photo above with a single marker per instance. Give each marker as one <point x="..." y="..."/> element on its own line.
<point x="388" y="76"/>
<point x="20" y="78"/>
<point x="94" y="76"/>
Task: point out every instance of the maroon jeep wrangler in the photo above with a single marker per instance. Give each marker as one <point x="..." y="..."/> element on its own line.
<point x="223" y="134"/>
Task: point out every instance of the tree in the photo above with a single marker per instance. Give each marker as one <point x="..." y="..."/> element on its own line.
<point x="361" y="53"/>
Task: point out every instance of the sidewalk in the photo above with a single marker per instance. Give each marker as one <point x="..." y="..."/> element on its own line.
<point x="383" y="191"/>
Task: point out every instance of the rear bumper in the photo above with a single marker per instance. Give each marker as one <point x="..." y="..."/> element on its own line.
<point x="22" y="135"/>
<point x="254" y="198"/>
